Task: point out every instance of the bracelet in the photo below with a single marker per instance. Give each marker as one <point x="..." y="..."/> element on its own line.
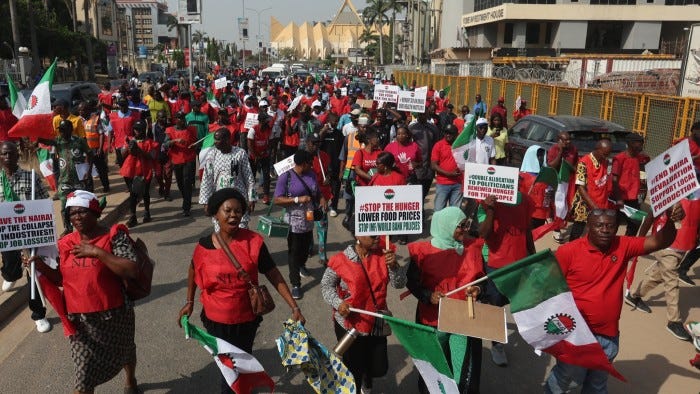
<point x="296" y="308"/>
<point x="296" y="200"/>
<point x="189" y="302"/>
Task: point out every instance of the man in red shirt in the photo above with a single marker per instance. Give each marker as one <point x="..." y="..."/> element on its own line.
<point x="448" y="177"/>
<point x="508" y="235"/>
<point x="521" y="112"/>
<point x="7" y="119"/>
<point x="499" y="108"/>
<point x="594" y="267"/>
<point x="593" y="186"/>
<point x="178" y="142"/>
<point x="625" y="172"/>
<point x="694" y="142"/>
<point x="338" y="103"/>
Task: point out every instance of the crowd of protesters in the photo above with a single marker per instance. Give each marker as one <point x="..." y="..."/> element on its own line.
<point x="340" y="141"/>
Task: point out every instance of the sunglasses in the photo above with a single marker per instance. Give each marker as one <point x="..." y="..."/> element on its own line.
<point x="606" y="212"/>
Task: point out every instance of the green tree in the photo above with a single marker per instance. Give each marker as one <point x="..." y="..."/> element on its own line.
<point x="172" y="23"/>
<point x="178" y="58"/>
<point x="376" y="14"/>
<point x="288" y="53"/>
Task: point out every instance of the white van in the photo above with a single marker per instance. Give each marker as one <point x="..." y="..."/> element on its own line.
<point x="273" y="72"/>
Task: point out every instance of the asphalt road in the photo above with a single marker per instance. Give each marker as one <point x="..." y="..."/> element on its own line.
<point x="650" y="358"/>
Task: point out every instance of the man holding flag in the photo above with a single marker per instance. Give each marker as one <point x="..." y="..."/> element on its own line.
<point x="594" y="267"/>
<point x="563" y="157"/>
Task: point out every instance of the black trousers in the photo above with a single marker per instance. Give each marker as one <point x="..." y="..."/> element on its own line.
<point x="262" y="165"/>
<point x="184" y="176"/>
<point x="134" y="197"/>
<point x="367" y="357"/>
<point x="100" y="163"/>
<point x="240" y="335"/>
<point x="12" y="271"/>
<point x="298" y="245"/>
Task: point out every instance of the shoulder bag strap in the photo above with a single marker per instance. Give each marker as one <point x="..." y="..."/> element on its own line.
<point x="242" y="274"/>
<point x="369" y="283"/>
<point x="306" y="186"/>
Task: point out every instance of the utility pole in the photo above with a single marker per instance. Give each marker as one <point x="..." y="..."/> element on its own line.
<point x="243" y="39"/>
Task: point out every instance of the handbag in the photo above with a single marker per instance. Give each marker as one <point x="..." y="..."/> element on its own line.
<point x="318" y="212"/>
<point x="261" y="301"/>
<point x="381" y="327"/>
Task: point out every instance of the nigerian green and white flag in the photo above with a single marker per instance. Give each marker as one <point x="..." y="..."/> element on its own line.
<point x="17" y="101"/>
<point x="421" y="343"/>
<point x="461" y="143"/>
<point x="545" y="312"/>
<point x="632" y="213"/>
<point x="561" y="199"/>
<point x="206" y="153"/>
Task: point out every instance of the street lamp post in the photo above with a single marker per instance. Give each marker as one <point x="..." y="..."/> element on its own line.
<point x="259" y="33"/>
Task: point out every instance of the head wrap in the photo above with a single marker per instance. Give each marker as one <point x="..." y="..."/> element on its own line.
<point x="220" y="196"/>
<point x="85" y="199"/>
<point x="443" y="226"/>
<point x="530" y="162"/>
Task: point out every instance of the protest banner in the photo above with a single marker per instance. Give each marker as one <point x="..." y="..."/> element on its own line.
<point x="285" y="165"/>
<point x="220" y="83"/>
<point x="670" y="177"/>
<point x="27" y="224"/>
<point x="386" y="93"/>
<point x="412" y="101"/>
<point x="483" y="180"/>
<point x="251" y="120"/>
<point x="388" y="210"/>
<point x="343" y="91"/>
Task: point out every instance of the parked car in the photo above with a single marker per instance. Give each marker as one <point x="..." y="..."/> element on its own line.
<point x="72" y="92"/>
<point x="153" y="75"/>
<point x="543" y="131"/>
<point x="585" y="132"/>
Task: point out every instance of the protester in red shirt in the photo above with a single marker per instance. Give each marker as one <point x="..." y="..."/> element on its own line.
<point x="521" y="112"/>
<point x="179" y="140"/>
<point x="137" y="170"/>
<point x="223" y="120"/>
<point x="406" y="153"/>
<point x="259" y="149"/>
<point x="625" y="177"/>
<point x="694" y="143"/>
<point x="508" y="235"/>
<point x="105" y="98"/>
<point x="338" y="103"/>
<point x="122" y="123"/>
<point x="448" y="261"/>
<point x="448" y="177"/>
<point x="594" y="267"/>
<point x="499" y="108"/>
<point x="593" y="186"/>
<point x="540" y="192"/>
<point x="7" y="120"/>
<point x="364" y="163"/>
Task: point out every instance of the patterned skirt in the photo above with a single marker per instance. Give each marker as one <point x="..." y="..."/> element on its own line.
<point x="103" y="344"/>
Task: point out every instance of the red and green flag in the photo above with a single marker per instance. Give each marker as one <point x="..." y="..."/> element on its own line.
<point x="37" y="118"/>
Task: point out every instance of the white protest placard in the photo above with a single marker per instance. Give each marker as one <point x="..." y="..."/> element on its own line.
<point x="27" y="224"/>
<point x="412" y="101"/>
<point x="284" y="165"/>
<point x="386" y="93"/>
<point x="483" y="180"/>
<point x="388" y="210"/>
<point x="343" y="91"/>
<point x="220" y="83"/>
<point x="251" y="120"/>
<point x="670" y="177"/>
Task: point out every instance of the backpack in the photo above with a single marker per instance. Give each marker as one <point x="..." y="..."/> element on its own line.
<point x="140" y="287"/>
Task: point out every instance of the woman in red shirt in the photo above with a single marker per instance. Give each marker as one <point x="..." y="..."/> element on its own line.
<point x="139" y="161"/>
<point x="226" y="310"/>
<point x="406" y="153"/>
<point x="386" y="174"/>
<point x="93" y="263"/>
<point x="446" y="262"/>
<point x="365" y="161"/>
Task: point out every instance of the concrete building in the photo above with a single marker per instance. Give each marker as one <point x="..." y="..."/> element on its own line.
<point x="102" y="19"/>
<point x="312" y="41"/>
<point x="551" y="27"/>
<point x="143" y="24"/>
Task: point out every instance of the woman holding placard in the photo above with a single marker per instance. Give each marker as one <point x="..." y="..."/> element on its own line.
<point x="365" y="161"/>
<point x="358" y="278"/>
<point x="450" y="259"/>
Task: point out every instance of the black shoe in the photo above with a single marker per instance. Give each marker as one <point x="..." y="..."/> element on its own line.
<point x="296" y="293"/>
<point x="677" y="330"/>
<point x="304" y="273"/>
<point x="105" y="189"/>
<point x="147" y="217"/>
<point x="686" y="279"/>
<point x="132" y="222"/>
<point x="168" y="198"/>
<point x="186" y="214"/>
<point x="637" y="303"/>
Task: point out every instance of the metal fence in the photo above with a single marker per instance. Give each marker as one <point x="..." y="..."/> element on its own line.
<point x="661" y="119"/>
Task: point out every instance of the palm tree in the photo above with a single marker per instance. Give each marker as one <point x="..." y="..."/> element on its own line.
<point x="376" y="14"/>
<point x="171" y="23"/>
